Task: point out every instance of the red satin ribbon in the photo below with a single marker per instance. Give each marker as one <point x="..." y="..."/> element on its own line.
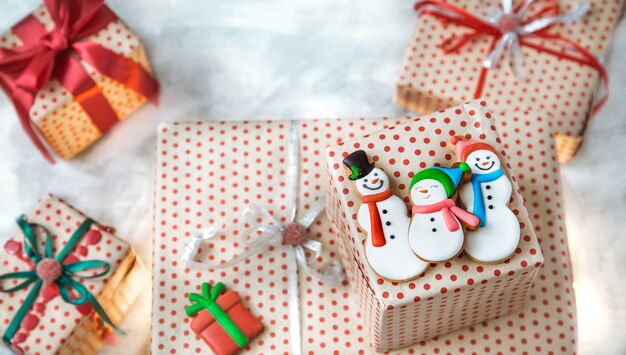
<point x="462" y="17"/>
<point x="55" y="54"/>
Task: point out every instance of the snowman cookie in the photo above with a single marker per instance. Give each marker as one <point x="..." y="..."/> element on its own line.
<point x="487" y="197"/>
<point x="437" y="229"/>
<point x="383" y="217"/>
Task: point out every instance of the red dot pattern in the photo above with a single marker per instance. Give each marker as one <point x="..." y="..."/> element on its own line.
<point x="431" y="80"/>
<point x="203" y="166"/>
<point x="208" y="173"/>
<point x="60" y="326"/>
<point x="442" y="304"/>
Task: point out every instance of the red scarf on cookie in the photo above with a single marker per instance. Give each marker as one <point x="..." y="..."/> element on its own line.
<point x="376" y="226"/>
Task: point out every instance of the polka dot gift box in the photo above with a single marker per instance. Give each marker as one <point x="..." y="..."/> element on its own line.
<point x="545" y="56"/>
<point x="73" y="70"/>
<point x="496" y="269"/>
<point x="207" y="172"/>
<point x="65" y="282"/>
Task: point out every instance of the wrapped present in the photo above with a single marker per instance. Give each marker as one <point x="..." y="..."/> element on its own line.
<point x="221" y="320"/>
<point x="543" y="55"/>
<point x="247" y="182"/>
<point x="264" y="231"/>
<point x="66" y="282"/>
<point x="208" y="171"/>
<point x="456" y="291"/>
<point x="73" y="70"/>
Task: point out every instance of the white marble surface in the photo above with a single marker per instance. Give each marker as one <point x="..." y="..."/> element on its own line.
<point x="298" y="59"/>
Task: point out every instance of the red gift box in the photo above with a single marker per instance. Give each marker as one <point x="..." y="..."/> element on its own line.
<point x="211" y="331"/>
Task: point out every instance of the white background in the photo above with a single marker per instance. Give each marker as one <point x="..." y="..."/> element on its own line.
<point x="300" y="59"/>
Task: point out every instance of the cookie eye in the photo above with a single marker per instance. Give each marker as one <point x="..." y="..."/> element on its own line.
<point x="433" y="186"/>
<point x="477" y="159"/>
<point x="375" y="174"/>
<point x="488" y="157"/>
<point x="365" y="180"/>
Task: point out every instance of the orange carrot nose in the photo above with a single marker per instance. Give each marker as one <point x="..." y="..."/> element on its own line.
<point x="424" y="191"/>
<point x="484" y="163"/>
<point x="375" y="181"/>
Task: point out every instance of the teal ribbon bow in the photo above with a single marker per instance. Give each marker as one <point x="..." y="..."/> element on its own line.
<point x="208" y="301"/>
<point x="63" y="282"/>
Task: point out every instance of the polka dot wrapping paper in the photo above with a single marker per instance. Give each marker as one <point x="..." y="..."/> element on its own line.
<point x="451" y="294"/>
<point x="209" y="171"/>
<point x="53" y="325"/>
<point x="430" y="79"/>
<point x="58" y="115"/>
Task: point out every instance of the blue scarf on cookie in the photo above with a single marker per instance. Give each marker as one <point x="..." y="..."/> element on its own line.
<point x="479" y="201"/>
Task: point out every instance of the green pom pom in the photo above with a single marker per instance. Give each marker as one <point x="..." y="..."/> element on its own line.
<point x="464" y="167"/>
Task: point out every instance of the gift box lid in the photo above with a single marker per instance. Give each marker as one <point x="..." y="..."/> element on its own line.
<point x="401" y="151"/>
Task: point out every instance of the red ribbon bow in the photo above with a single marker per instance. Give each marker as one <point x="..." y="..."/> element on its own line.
<point x="44" y="55"/>
<point x="447" y="13"/>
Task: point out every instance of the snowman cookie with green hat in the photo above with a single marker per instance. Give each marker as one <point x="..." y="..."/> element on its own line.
<point x="437" y="228"/>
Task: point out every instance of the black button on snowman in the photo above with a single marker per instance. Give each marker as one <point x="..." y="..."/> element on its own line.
<point x="387" y="247"/>
<point x="433" y="192"/>
<point x="499" y="232"/>
<point x="400" y="248"/>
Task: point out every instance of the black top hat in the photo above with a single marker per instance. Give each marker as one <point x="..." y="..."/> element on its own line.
<point x="358" y="164"/>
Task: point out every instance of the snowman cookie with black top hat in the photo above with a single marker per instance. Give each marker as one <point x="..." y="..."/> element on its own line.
<point x="487" y="196"/>
<point x="383" y="217"/>
<point x="437" y="229"/>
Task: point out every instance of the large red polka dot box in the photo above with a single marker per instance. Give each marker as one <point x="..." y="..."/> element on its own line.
<point x="73" y="70"/>
<point x="544" y="56"/>
<point x="209" y="177"/>
<point x="208" y="174"/>
<point x="464" y="252"/>
<point x="65" y="282"/>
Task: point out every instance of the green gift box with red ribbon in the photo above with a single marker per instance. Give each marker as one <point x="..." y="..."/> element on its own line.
<point x="65" y="282"/>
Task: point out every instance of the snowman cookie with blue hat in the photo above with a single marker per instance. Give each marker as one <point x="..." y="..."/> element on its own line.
<point x="487" y="196"/>
<point x="437" y="228"/>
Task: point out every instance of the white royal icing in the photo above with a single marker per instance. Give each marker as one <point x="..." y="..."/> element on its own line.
<point x="394" y="261"/>
<point x="429" y="237"/>
<point x="499" y="238"/>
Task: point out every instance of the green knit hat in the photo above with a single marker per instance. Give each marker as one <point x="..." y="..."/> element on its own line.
<point x="448" y="177"/>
